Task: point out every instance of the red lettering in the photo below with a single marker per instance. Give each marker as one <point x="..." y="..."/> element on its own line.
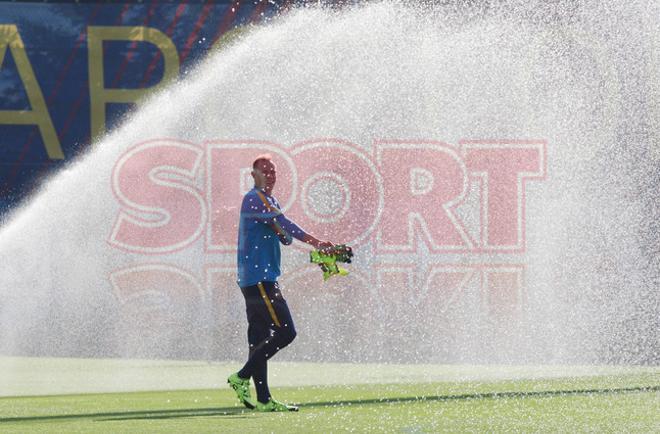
<point x="339" y="191"/>
<point x="503" y="168"/>
<point x="422" y="183"/>
<point x="162" y="211"/>
<point x="228" y="179"/>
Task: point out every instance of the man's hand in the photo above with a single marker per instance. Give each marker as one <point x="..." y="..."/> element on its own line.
<point x="325" y="246"/>
<point x="316" y="243"/>
<point x="327" y="256"/>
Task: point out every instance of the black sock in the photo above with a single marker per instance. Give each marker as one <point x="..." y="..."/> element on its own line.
<point x="260" y="377"/>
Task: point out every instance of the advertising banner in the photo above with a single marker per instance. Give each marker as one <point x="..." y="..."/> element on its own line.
<point x="70" y="70"/>
<point x="498" y="200"/>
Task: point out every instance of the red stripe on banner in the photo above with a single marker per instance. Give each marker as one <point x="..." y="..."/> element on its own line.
<point x="150" y="69"/>
<point x="258" y="11"/>
<point x="81" y="38"/>
<point x="197" y="27"/>
<point x="73" y="112"/>
<point x="286" y="5"/>
<point x="124" y="9"/>
<point x="226" y="22"/>
<point x="131" y="47"/>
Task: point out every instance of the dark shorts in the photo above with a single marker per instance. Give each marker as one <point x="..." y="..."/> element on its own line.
<point x="267" y="312"/>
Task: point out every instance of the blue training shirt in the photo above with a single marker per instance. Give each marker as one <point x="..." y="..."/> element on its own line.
<point x="261" y="228"/>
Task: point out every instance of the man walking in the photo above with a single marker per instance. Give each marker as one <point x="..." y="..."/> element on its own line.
<point x="262" y="227"/>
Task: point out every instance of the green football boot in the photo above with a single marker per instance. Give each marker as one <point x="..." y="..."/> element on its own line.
<point x="274" y="405"/>
<point x="242" y="388"/>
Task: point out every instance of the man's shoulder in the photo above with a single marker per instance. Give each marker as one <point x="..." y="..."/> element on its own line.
<point x="249" y="198"/>
<point x="259" y="197"/>
<point x="259" y="194"/>
<point x="252" y="194"/>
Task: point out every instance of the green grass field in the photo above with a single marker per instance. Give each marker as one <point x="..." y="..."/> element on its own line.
<point x="356" y="398"/>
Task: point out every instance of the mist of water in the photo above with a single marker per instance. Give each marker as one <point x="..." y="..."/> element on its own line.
<point x="582" y="75"/>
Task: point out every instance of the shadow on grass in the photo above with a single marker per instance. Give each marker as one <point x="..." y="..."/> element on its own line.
<point x="230" y="412"/>
<point x="241" y="412"/>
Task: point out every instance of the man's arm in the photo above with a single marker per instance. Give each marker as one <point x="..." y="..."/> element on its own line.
<point x="318" y="244"/>
<point x="289" y="229"/>
<point x="262" y="211"/>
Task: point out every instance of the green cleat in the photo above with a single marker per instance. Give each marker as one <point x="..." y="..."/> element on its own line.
<point x="274" y="405"/>
<point x="242" y="388"/>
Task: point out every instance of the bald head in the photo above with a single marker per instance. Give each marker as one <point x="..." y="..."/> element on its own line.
<point x="264" y="173"/>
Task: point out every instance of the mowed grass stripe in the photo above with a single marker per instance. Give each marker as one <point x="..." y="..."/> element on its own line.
<point x="223" y="411"/>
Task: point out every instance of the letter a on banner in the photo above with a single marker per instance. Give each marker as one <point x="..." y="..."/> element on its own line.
<point x="39" y="115"/>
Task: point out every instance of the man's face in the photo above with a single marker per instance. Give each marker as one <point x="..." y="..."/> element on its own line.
<point x="265" y="175"/>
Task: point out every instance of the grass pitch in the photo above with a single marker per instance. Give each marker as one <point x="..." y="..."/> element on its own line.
<point x="456" y="399"/>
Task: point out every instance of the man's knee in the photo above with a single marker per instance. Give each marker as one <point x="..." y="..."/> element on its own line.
<point x="292" y="335"/>
<point x="286" y="335"/>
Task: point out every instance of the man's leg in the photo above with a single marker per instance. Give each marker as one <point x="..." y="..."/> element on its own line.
<point x="257" y="333"/>
<point x="265" y="299"/>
